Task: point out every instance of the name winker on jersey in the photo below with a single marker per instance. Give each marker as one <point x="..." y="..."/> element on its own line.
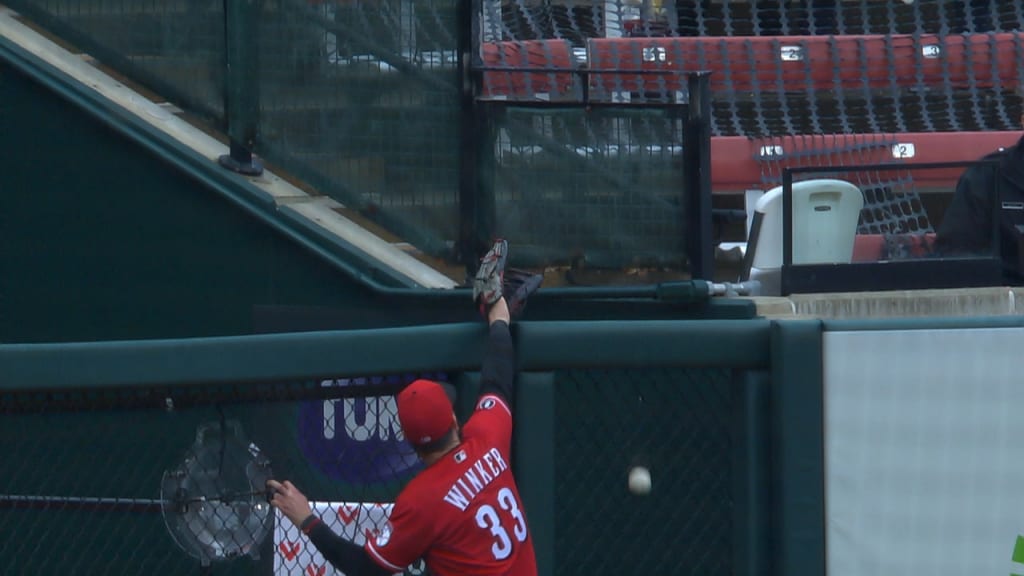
<point x="475" y="478"/>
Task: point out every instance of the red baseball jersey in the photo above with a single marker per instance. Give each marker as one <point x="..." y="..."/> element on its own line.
<point x="462" y="514"/>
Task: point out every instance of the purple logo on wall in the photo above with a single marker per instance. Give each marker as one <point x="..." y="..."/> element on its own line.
<point x="358" y="440"/>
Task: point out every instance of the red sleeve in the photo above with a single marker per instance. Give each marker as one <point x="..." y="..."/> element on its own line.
<point x="492" y="421"/>
<point x="403" y="539"/>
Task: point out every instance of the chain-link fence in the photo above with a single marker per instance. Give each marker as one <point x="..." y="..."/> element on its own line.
<point x="172" y="479"/>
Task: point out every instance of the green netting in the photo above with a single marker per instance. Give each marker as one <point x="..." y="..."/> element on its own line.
<point x="173" y="47"/>
<point x="598" y="187"/>
<point x="358" y="99"/>
<point x="361" y="99"/>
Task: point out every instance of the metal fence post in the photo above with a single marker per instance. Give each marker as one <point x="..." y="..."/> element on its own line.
<point x="241" y="90"/>
<point x="798" y="449"/>
<point x="697" y="177"/>
<point x="476" y="200"/>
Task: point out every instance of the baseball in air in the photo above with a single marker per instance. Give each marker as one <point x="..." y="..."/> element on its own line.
<point x="908" y="1"/>
<point x="639" y="480"/>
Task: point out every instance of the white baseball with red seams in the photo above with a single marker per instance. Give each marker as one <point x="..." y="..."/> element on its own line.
<point x="639" y="480"/>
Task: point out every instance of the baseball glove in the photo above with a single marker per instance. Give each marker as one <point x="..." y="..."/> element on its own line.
<point x="517" y="287"/>
<point x="492" y="281"/>
<point x="488" y="284"/>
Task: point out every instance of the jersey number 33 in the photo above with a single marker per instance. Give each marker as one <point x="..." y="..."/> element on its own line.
<point x="487" y="518"/>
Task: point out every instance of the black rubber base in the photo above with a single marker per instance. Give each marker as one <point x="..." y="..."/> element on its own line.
<point x="251" y="168"/>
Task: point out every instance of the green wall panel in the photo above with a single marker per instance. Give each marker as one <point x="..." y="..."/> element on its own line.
<point x="101" y="240"/>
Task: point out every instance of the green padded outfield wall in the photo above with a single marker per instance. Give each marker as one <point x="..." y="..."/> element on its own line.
<point x="101" y="240"/>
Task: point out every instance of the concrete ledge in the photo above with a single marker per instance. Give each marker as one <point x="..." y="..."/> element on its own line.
<point x="994" y="301"/>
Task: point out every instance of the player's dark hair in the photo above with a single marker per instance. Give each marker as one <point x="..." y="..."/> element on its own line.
<point x="438" y="444"/>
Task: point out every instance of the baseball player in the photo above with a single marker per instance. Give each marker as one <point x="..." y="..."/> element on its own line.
<point x="462" y="513"/>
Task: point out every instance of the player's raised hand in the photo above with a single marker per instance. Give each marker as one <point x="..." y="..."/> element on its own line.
<point x="494" y="282"/>
<point x="289" y="500"/>
<point x="488" y="281"/>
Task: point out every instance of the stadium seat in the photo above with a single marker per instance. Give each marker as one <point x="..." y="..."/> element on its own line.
<point x="825" y="216"/>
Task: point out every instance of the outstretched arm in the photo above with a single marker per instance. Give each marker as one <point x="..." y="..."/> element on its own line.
<point x="499" y="297"/>
<point x="497" y="374"/>
<point x="344" y="555"/>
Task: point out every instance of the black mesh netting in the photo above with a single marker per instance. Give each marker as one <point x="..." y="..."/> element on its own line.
<point x="676" y="422"/>
<point x="783" y="68"/>
<point x="892" y="202"/>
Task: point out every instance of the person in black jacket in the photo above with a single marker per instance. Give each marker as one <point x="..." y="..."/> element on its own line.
<point x="967" y="226"/>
